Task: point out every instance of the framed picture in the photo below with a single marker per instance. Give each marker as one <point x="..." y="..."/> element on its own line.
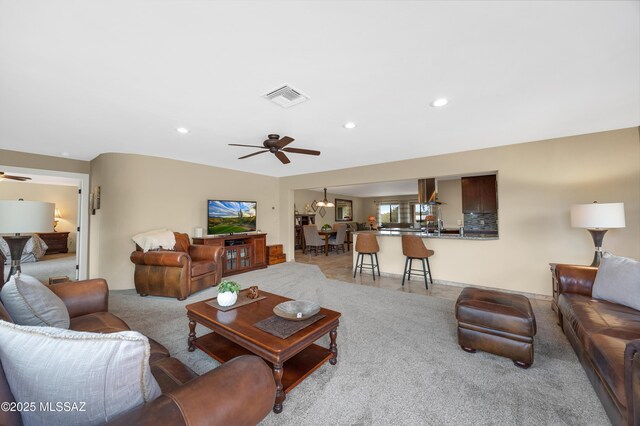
<point x="314" y="205"/>
<point x="322" y="212"/>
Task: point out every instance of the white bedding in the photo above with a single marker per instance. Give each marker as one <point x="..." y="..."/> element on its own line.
<point x="33" y="250"/>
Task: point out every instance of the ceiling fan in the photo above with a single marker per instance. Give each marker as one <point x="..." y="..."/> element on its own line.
<point x="18" y="178"/>
<point x="277" y="146"/>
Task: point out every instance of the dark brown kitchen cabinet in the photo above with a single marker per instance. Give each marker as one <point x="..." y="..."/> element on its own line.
<point x="479" y="194"/>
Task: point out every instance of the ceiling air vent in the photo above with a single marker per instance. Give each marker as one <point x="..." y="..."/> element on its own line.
<point x="286" y="96"/>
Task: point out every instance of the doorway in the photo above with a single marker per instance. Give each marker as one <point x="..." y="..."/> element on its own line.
<point x="76" y="209"/>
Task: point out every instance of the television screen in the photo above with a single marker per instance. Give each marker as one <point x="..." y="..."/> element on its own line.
<point x="226" y="217"/>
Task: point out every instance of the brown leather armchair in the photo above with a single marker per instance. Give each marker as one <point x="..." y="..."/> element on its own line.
<point x="239" y="392"/>
<point x="179" y="273"/>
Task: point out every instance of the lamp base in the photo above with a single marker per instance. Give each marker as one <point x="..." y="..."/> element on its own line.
<point x="16" y="245"/>
<point x="598" y="236"/>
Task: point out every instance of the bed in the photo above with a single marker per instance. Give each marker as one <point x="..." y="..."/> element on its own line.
<point x="33" y="250"/>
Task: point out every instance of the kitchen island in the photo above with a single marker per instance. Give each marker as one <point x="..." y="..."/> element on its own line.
<point x="457" y="259"/>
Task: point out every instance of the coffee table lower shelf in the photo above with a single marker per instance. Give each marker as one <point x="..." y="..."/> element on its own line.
<point x="296" y="369"/>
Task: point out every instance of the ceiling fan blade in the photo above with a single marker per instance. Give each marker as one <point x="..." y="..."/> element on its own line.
<point x="255" y="153"/>
<point x="282" y="157"/>
<point x="302" y="151"/>
<point x="286" y="140"/>
<point x="250" y="146"/>
<point x="18" y="178"/>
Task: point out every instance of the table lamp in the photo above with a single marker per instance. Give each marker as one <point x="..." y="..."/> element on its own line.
<point x="372" y="222"/>
<point x="57" y="218"/>
<point x="19" y="217"/>
<point x="597" y="218"/>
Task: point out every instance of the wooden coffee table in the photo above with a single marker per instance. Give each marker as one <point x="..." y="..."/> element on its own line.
<point x="234" y="334"/>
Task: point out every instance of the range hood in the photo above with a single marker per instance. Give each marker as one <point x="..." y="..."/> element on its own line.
<point x="427" y="193"/>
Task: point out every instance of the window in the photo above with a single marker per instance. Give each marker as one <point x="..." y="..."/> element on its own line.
<point x="388" y="213"/>
<point x="420" y="213"/>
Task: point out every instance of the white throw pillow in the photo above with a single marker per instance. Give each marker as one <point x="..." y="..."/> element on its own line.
<point x="618" y="281"/>
<point x="29" y="302"/>
<point x="73" y="377"/>
<point x="158" y="238"/>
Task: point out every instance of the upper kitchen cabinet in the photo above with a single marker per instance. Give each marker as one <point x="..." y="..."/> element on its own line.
<point x="479" y="194"/>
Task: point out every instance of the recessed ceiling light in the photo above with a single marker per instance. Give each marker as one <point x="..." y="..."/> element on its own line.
<point x="440" y="102"/>
<point x="64" y="154"/>
<point x="349" y="125"/>
<point x="182" y="130"/>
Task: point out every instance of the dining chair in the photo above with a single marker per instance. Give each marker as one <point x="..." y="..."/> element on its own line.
<point x="338" y="241"/>
<point x="312" y="239"/>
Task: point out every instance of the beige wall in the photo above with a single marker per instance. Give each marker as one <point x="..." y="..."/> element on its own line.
<point x="141" y="193"/>
<point x="305" y="196"/>
<point x="450" y="193"/>
<point x="537" y="184"/>
<point x="64" y="197"/>
<point x="44" y="162"/>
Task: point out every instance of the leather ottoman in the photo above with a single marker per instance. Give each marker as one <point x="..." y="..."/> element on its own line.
<point x="496" y="322"/>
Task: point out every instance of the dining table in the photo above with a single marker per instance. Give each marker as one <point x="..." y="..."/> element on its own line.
<point x="330" y="233"/>
<point x="327" y="234"/>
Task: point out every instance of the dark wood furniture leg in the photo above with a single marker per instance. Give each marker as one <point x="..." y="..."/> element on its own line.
<point x="280" y="395"/>
<point x="326" y="245"/>
<point x="333" y="347"/>
<point x="192" y="335"/>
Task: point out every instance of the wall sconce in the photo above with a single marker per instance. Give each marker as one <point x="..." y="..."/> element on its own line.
<point x="94" y="200"/>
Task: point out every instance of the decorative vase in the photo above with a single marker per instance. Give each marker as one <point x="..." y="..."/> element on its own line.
<point x="227" y="298"/>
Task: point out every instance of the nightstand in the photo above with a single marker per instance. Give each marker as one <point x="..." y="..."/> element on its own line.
<point x="56" y="241"/>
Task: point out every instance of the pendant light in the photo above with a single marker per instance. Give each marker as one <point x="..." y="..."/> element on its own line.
<point x="325" y="202"/>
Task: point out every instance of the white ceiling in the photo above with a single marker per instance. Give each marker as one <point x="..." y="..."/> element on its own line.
<point x="120" y="76"/>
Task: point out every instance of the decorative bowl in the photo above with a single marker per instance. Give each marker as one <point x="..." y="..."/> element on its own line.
<point x="296" y="310"/>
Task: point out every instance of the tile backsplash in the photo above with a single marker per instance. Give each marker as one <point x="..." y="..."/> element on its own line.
<point x="480" y="222"/>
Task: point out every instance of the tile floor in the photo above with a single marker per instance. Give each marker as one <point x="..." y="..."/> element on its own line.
<point x="339" y="267"/>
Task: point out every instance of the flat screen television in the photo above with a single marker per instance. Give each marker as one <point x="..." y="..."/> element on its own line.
<point x="230" y="217"/>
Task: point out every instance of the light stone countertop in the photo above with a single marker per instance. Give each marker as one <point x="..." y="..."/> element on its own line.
<point x="398" y="233"/>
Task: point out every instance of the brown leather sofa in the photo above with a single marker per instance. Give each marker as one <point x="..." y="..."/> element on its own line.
<point x="239" y="392"/>
<point x="179" y="273"/>
<point x="606" y="338"/>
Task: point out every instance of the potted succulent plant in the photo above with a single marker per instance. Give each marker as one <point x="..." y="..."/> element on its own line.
<point x="228" y="293"/>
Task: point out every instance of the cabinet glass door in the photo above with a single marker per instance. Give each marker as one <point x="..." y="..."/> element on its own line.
<point x="244" y="257"/>
<point x="232" y="260"/>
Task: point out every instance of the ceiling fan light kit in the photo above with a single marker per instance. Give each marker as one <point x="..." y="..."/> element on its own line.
<point x="278" y="147"/>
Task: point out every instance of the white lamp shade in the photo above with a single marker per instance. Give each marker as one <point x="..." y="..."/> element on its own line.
<point x="26" y="217"/>
<point x="598" y="215"/>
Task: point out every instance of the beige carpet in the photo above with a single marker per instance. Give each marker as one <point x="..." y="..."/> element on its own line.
<point x="51" y="265"/>
<point x="399" y="362"/>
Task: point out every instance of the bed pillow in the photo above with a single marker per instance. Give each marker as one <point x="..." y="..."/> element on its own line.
<point x="618" y="281"/>
<point x="158" y="238"/>
<point x="29" y="302"/>
<point x="98" y="376"/>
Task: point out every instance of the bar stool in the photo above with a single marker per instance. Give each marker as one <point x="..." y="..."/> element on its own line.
<point x="367" y="244"/>
<point x="413" y="248"/>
